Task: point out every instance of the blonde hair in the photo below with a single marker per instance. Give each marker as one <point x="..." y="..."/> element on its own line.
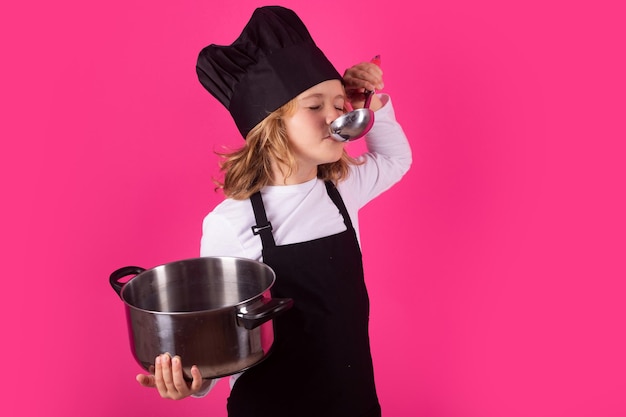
<point x="249" y="168"/>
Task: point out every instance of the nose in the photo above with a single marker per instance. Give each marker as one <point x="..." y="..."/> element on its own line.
<point x="332" y="114"/>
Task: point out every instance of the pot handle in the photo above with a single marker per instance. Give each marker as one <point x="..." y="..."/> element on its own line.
<point x="117" y="275"/>
<point x="259" y="315"/>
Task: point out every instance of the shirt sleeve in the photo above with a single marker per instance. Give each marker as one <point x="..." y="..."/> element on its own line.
<point x="387" y="159"/>
<point x="219" y="238"/>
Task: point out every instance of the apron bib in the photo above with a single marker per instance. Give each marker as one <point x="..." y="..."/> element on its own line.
<point x="320" y="363"/>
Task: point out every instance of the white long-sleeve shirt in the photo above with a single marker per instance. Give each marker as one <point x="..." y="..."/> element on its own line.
<point x="304" y="212"/>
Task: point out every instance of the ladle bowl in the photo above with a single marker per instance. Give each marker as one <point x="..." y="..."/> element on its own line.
<point x="354" y="124"/>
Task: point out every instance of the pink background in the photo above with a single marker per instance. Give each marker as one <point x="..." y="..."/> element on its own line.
<point x="496" y="268"/>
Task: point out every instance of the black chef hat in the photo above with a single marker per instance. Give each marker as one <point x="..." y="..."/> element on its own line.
<point x="271" y="62"/>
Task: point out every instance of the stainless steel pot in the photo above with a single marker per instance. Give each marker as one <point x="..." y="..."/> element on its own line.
<point x="215" y="312"/>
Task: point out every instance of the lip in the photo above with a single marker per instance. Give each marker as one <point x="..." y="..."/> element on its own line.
<point x="330" y="139"/>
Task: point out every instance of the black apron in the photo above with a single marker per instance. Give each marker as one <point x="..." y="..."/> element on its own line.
<point x="320" y="364"/>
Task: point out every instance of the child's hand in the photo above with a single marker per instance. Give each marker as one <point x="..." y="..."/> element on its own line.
<point x="168" y="378"/>
<point x="361" y="77"/>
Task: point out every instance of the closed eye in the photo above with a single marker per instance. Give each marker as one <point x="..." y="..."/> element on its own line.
<point x="319" y="107"/>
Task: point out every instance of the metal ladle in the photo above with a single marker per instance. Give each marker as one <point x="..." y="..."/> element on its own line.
<point x="355" y="124"/>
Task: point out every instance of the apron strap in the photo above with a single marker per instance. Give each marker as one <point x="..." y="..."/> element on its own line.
<point x="262" y="226"/>
<point x="336" y="197"/>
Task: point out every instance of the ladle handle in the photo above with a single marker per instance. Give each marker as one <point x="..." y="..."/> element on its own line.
<point x="370" y="93"/>
<point x="368" y="98"/>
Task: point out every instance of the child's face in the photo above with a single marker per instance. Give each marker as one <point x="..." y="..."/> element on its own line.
<point x="308" y="127"/>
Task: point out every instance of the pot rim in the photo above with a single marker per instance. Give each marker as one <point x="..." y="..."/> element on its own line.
<point x="237" y="306"/>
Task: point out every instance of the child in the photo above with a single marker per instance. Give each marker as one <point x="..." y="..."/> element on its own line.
<point x="293" y="194"/>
